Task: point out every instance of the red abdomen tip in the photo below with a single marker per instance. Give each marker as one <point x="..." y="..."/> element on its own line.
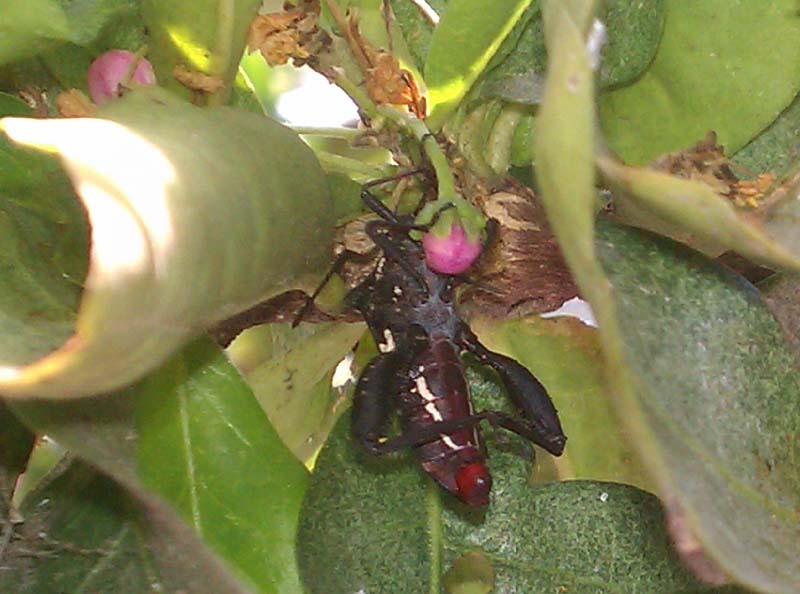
<point x="474" y="484"/>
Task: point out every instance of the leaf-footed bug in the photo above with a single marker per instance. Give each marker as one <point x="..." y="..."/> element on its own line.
<point x="411" y="313"/>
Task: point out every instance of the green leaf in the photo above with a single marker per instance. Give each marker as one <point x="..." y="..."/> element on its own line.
<point x="30" y="26"/>
<point x="206" y="446"/>
<point x="779" y="216"/>
<point x="97" y="26"/>
<point x="44" y="457"/>
<point x="16" y="442"/>
<point x="11" y="105"/>
<point x="194" y="434"/>
<point x="372" y="525"/>
<point x="775" y="148"/>
<point x="634" y="32"/>
<point x="633" y="29"/>
<point x="462" y="44"/>
<point x="731" y="68"/>
<point x="81" y="532"/>
<point x="694" y="212"/>
<point x="416" y="27"/>
<point x="780" y="293"/>
<point x="293" y="385"/>
<point x="471" y="573"/>
<point x="183" y="234"/>
<point x="564" y="146"/>
<point x="88" y="18"/>
<point x="566" y="356"/>
<point x="207" y="36"/>
<point x="382" y="33"/>
<point x="711" y="394"/>
<point x="42" y="254"/>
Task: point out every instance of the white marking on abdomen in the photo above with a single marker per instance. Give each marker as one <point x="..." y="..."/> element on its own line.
<point x="448" y="441"/>
<point x="388" y="346"/>
<point x="430" y="397"/>
<point x="434" y="412"/>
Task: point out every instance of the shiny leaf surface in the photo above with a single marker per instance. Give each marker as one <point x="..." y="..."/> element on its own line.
<point x="206" y="446"/>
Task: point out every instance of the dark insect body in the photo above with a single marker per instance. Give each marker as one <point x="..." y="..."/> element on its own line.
<point x="411" y="313"/>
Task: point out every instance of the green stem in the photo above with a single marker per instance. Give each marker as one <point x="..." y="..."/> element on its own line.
<point x="470" y="217"/>
<point x="435" y="543"/>
<point x="221" y="54"/>
<point x="444" y="178"/>
<point x="328" y="132"/>
<point x="338" y="163"/>
<point x="137" y="57"/>
<point x="365" y="105"/>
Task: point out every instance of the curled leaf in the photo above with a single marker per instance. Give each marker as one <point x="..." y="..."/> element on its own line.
<point x="183" y="233"/>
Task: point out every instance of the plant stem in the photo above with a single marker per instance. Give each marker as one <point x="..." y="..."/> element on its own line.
<point x="337" y="163"/>
<point x="446" y="186"/>
<point x="365" y="105"/>
<point x="221" y="54"/>
<point x="329" y="132"/>
<point x="470" y="217"/>
<point x="434" y="513"/>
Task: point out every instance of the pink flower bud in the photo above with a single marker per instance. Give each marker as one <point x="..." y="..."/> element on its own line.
<point x="108" y="71"/>
<point x="452" y="254"/>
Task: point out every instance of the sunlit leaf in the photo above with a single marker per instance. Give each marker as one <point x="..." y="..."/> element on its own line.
<point x="207" y="37"/>
<point x="416" y="26"/>
<point x="183" y="234"/>
<point x="461" y="46"/>
<point x="293" y="385"/>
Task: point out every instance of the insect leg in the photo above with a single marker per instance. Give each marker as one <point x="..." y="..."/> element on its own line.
<point x="527" y="393"/>
<point x="530" y="431"/>
<point x="372" y="405"/>
<point x="428" y="433"/>
<point x="378" y="207"/>
<point x="335" y="268"/>
<point x="393" y="249"/>
<point x="434" y="431"/>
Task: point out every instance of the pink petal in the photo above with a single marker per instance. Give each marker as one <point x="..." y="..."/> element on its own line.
<point x="452" y="254"/>
<point x="107" y="72"/>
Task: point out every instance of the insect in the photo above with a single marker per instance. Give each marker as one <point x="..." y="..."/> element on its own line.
<point x="411" y="313"/>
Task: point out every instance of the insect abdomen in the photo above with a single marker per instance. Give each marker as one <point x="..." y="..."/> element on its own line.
<point x="437" y="392"/>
